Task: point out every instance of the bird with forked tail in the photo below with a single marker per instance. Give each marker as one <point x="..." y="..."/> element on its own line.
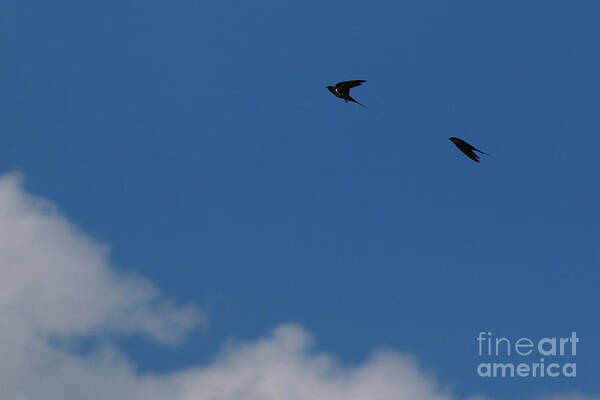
<point x="342" y="90"/>
<point x="467" y="148"/>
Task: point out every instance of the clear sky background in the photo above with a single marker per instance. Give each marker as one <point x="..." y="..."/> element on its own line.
<point x="197" y="140"/>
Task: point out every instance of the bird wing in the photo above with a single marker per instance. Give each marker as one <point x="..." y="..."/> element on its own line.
<point x="473" y="148"/>
<point x="347" y="85"/>
<point x="469" y="152"/>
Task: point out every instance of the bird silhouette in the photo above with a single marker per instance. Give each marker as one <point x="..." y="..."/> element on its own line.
<point x="467" y="148"/>
<point x="342" y="90"/>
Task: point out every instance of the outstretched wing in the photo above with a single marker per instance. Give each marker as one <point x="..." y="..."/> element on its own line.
<point x="347" y="85"/>
<point x="472" y="148"/>
<point x="469" y="153"/>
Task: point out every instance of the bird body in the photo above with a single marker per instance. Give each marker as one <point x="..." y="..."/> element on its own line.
<point x="342" y="90"/>
<point x="466" y="148"/>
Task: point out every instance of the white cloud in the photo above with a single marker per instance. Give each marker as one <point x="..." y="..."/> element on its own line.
<point x="58" y="282"/>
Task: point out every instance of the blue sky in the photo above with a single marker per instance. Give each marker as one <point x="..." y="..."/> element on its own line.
<point x="198" y="141"/>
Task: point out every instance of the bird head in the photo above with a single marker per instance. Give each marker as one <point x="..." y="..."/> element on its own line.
<point x="452" y="139"/>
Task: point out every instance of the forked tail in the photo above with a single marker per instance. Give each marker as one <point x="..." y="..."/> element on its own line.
<point x="354" y="101"/>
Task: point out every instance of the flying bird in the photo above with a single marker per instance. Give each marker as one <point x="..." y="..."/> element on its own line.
<point x="342" y="90"/>
<point x="467" y="148"/>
